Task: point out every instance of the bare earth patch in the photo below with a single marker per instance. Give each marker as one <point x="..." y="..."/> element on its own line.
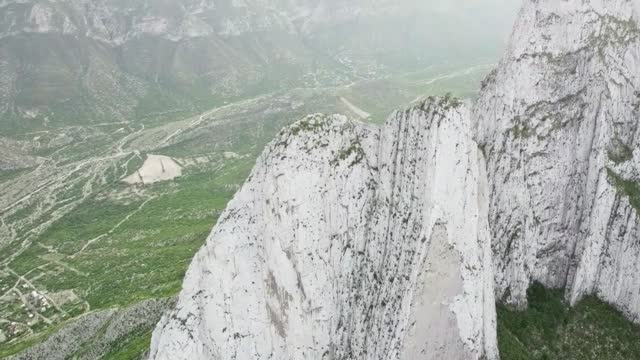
<point x="64" y="297"/>
<point x="355" y="109"/>
<point x="156" y="168"/>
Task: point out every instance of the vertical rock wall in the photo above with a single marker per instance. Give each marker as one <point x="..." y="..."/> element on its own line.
<point x="558" y="120"/>
<point x="348" y="242"/>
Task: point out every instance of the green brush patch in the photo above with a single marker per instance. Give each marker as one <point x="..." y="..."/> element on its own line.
<point x="549" y="329"/>
<point x="132" y="348"/>
<point x="629" y="188"/>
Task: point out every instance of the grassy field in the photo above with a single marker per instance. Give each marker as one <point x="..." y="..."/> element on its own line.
<point x="381" y="97"/>
<point x="120" y="247"/>
<point x="116" y="244"/>
<point x="550" y="330"/>
<point x="176" y="218"/>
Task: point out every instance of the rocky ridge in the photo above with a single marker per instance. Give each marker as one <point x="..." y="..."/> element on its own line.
<point x="338" y="259"/>
<point x="105" y="61"/>
<point x="118" y="22"/>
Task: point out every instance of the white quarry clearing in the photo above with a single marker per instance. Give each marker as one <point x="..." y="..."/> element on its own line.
<point x="155" y="168"/>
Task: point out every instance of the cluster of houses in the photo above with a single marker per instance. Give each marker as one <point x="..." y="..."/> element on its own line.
<point x="12" y="329"/>
<point x="38" y="301"/>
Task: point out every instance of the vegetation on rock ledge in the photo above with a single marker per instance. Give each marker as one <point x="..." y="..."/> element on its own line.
<point x="620" y="153"/>
<point x="629" y="188"/>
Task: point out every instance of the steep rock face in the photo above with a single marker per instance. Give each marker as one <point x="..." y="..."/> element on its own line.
<point x="559" y="123"/>
<point x="348" y="242"/>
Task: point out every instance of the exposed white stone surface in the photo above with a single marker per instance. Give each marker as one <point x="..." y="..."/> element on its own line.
<point x="561" y="109"/>
<point x="351" y="242"/>
<point x="348" y="242"/>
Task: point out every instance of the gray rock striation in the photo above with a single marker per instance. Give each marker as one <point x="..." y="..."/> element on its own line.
<point x="559" y="121"/>
<point x="353" y="242"/>
<point x="348" y="242"/>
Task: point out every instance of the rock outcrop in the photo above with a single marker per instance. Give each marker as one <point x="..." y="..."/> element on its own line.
<point x="348" y="242"/>
<point x="559" y="123"/>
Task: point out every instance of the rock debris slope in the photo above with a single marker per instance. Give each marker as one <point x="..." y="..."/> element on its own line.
<point x="559" y="124"/>
<point x="348" y="242"/>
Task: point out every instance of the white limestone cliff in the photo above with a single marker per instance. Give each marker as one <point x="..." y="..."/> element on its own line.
<point x="559" y="122"/>
<point x="348" y="242"/>
<point x="352" y="242"/>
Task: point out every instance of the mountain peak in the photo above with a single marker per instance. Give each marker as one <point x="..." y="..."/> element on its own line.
<point x="348" y="241"/>
<point x="356" y="242"/>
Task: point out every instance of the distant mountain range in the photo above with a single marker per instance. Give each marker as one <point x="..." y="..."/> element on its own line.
<point x="81" y="61"/>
